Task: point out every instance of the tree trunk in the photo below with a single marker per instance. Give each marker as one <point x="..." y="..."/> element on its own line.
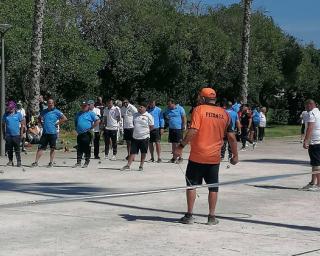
<point x="33" y="90"/>
<point x="245" y="50"/>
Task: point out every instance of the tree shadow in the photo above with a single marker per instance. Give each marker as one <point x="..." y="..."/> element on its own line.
<point x="277" y="161"/>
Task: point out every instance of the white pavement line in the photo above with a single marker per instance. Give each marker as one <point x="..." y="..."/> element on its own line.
<point x="149" y="192"/>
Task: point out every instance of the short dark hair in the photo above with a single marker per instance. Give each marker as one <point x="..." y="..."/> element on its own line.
<point x="171" y="100"/>
<point x="143" y="103"/>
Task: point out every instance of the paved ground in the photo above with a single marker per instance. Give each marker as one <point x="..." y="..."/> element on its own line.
<point x="267" y="216"/>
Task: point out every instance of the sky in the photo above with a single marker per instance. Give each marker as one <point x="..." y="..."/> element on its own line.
<point x="300" y="18"/>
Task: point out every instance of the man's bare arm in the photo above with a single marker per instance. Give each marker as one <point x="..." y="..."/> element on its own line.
<point x="308" y="135"/>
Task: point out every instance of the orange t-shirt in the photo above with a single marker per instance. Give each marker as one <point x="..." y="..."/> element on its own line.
<point x="212" y="123"/>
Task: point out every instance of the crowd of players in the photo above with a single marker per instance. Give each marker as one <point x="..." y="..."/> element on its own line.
<point x="141" y="127"/>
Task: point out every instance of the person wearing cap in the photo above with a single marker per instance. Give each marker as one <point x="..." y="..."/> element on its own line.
<point x="155" y="134"/>
<point x="127" y="112"/>
<point x="111" y="120"/>
<point x="13" y="124"/>
<point x="208" y="127"/>
<point x="176" y="117"/>
<point x="49" y="119"/>
<point x="85" y="121"/>
<point x="143" y="124"/>
<point x="96" y="130"/>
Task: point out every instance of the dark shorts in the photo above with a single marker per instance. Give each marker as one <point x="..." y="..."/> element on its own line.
<point x="303" y="126"/>
<point x="155" y="136"/>
<point x="46" y="139"/>
<point x="196" y="173"/>
<point x="175" y="135"/>
<point x="127" y="134"/>
<point x="314" y="153"/>
<point x="139" y="145"/>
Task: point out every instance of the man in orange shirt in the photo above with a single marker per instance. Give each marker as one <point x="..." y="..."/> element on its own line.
<point x="209" y="124"/>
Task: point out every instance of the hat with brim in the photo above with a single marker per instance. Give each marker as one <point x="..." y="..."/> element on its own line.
<point x="84" y="103"/>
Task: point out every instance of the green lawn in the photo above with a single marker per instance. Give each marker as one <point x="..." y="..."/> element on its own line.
<point x="282" y="130"/>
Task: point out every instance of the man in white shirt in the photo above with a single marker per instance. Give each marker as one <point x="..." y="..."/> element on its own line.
<point x="312" y="143"/>
<point x="262" y="124"/>
<point x="22" y="111"/>
<point x="304" y="117"/>
<point x="127" y="112"/>
<point x="96" y="130"/>
<point x="143" y="124"/>
<point x="111" y="119"/>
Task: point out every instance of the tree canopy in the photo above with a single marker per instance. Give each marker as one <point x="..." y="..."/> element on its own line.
<point x="146" y="48"/>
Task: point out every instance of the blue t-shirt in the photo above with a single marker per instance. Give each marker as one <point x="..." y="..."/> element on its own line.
<point x="174" y="117"/>
<point x="50" y="118"/>
<point x="236" y="107"/>
<point x="157" y="114"/>
<point x="12" y="122"/>
<point x="234" y="118"/>
<point x="84" y="120"/>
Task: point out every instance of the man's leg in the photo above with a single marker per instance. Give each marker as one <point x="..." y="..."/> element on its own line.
<point x="143" y="159"/>
<point x="16" y="145"/>
<point x="212" y="199"/>
<point x="96" y="144"/>
<point x="151" y="149"/>
<point x="9" y="148"/>
<point x="52" y="154"/>
<point x="174" y="146"/>
<point x="223" y="148"/>
<point x="191" y="198"/>
<point x="106" y="142"/>
<point x="79" y="149"/>
<point x="158" y="149"/>
<point x="39" y="155"/>
<point x="244" y="136"/>
<point x="128" y="147"/>
<point x="86" y="147"/>
<point x="114" y="142"/>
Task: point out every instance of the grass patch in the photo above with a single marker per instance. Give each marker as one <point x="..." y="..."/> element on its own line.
<point x="282" y="130"/>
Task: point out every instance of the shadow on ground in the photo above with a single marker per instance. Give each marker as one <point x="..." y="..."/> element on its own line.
<point x="277" y="161"/>
<point x="235" y="219"/>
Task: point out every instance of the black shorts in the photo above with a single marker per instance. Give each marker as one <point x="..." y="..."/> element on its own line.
<point x="314" y="153"/>
<point x="46" y="139"/>
<point x="128" y="134"/>
<point x="303" y="126"/>
<point x="155" y="135"/>
<point x="175" y="135"/>
<point x="197" y="172"/>
<point x="139" y="145"/>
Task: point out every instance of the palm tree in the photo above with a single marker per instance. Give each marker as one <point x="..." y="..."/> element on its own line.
<point x="245" y="50"/>
<point x="33" y="90"/>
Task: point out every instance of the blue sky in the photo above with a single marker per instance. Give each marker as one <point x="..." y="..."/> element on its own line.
<point x="300" y="18"/>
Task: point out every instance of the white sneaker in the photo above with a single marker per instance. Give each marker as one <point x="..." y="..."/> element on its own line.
<point x="106" y="157"/>
<point x="310" y="187"/>
<point x="113" y="158"/>
<point x="243" y="149"/>
<point x="254" y="144"/>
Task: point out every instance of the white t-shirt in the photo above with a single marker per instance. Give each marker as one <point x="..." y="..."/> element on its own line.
<point x="127" y="115"/>
<point x="304" y="117"/>
<point x="263" y="120"/>
<point x="22" y="111"/>
<point x="142" y="123"/>
<point x="314" y="117"/>
<point x="112" y="115"/>
<point x="98" y="113"/>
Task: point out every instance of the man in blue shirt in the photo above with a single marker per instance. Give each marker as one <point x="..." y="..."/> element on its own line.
<point x="155" y="134"/>
<point x="176" y="117"/>
<point x="49" y="119"/>
<point x="235" y="123"/>
<point x="85" y="121"/>
<point x="12" y="126"/>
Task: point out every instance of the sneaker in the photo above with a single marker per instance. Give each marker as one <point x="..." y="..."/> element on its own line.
<point x="179" y="160"/>
<point x="151" y="160"/>
<point x="77" y="165"/>
<point x="50" y="165"/>
<point x="254" y="144"/>
<point x="86" y="163"/>
<point x="10" y="163"/>
<point x="309" y="186"/>
<point x="159" y="161"/>
<point x="113" y="158"/>
<point x="243" y="149"/>
<point x="315" y="188"/>
<point x="125" y="168"/>
<point x="187" y="219"/>
<point x="97" y="157"/>
<point x="212" y="220"/>
<point x="127" y="158"/>
<point x="106" y="157"/>
<point x="18" y="164"/>
<point x="35" y="164"/>
<point x="140" y="168"/>
<point x="172" y="160"/>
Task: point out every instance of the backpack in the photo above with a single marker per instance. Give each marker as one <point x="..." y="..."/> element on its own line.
<point x="256" y="117"/>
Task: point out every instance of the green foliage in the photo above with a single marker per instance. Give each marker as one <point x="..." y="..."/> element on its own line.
<point x="158" y="49"/>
